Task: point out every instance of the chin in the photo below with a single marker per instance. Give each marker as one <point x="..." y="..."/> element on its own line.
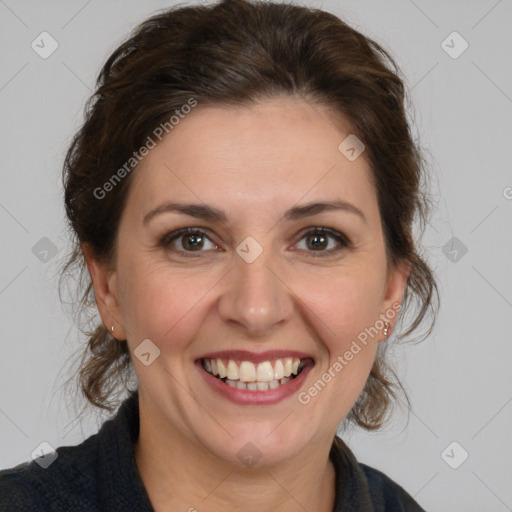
<point x="257" y="445"/>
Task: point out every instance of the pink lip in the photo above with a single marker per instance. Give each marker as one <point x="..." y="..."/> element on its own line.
<point x="255" y="357"/>
<point x="247" y="397"/>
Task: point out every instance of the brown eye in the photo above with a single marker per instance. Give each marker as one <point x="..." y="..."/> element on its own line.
<point x="324" y="242"/>
<point x="187" y="240"/>
<point x="317" y="241"/>
<point x="194" y="241"/>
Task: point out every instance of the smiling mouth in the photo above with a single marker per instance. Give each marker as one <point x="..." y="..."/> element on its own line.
<point x="255" y="377"/>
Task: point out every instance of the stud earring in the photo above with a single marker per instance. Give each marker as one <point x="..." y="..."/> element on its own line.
<point x="112" y="328"/>
<point x="386" y="329"/>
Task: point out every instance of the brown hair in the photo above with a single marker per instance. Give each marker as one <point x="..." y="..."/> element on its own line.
<point x="236" y="53"/>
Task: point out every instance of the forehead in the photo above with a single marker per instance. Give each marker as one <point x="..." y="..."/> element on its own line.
<point x="260" y="155"/>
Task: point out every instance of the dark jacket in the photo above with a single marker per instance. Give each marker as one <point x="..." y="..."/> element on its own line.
<point x="101" y="474"/>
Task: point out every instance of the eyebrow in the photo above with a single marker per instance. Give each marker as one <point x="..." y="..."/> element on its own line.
<point x="205" y="212"/>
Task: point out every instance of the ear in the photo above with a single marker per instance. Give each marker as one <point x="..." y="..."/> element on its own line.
<point x="104" y="281"/>
<point x="394" y="292"/>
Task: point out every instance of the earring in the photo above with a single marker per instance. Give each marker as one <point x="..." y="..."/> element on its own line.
<point x="112" y="328"/>
<point x="386" y="329"/>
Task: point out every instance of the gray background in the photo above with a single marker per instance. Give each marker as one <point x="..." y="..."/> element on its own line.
<point x="459" y="379"/>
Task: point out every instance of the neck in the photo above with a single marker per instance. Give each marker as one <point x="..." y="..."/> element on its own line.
<point x="181" y="475"/>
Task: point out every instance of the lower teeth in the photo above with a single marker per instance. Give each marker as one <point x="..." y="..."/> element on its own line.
<point x="256" y="386"/>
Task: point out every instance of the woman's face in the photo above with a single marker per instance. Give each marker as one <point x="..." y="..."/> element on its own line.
<point x="257" y="287"/>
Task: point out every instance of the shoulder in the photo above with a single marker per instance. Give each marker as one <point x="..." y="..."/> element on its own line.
<point x="15" y="491"/>
<point x="387" y="493"/>
<point x="60" y="484"/>
<point x="362" y="488"/>
<point x="98" y="474"/>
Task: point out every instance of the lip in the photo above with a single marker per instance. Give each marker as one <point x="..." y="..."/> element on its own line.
<point x="247" y="397"/>
<point x="255" y="357"/>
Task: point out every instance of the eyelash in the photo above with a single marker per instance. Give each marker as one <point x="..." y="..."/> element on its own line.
<point x="340" y="238"/>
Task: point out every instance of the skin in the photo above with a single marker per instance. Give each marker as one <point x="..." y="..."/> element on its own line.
<point x="254" y="163"/>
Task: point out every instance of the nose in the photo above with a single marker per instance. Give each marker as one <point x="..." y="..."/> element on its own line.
<point x="256" y="297"/>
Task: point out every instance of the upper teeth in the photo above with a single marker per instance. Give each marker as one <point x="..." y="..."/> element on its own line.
<point x="246" y="371"/>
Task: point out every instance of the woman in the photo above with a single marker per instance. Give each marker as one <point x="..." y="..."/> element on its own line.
<point x="241" y="194"/>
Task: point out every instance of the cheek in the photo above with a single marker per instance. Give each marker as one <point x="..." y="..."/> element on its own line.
<point x="162" y="303"/>
<point x="342" y="309"/>
<point x="342" y="301"/>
